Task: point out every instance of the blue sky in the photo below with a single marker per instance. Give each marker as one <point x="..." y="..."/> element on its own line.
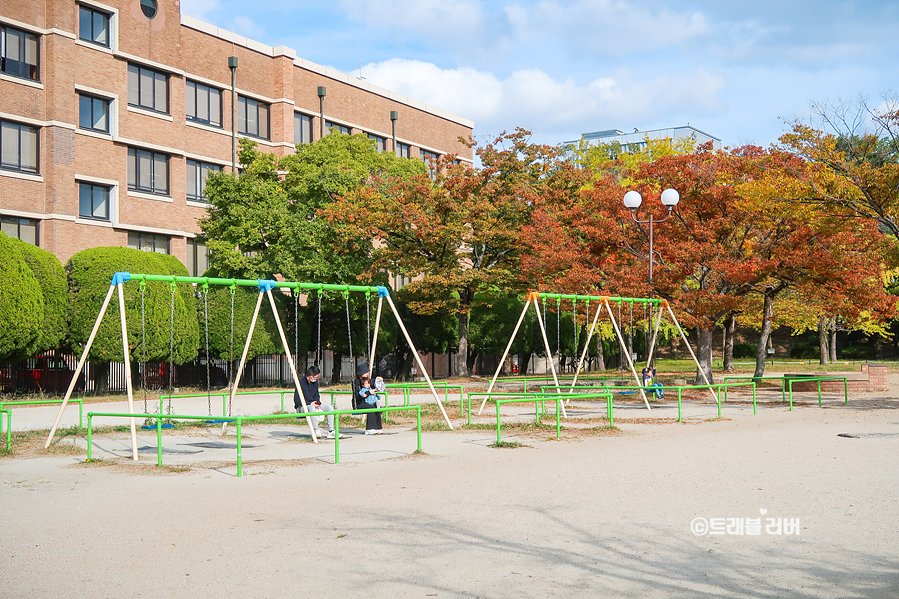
<point x="740" y="70"/>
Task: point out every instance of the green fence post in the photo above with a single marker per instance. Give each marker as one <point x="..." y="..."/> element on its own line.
<point x="719" y="399"/>
<point x="336" y="437"/>
<point x="80" y="418"/>
<point x="159" y="440"/>
<point x="498" y="437"/>
<point x="791" y="393"/>
<point x="239" y="458"/>
<point x="558" y="421"/>
<point x="8" y="428"/>
<point x="819" y="392"/>
<point x="469" y="408"/>
<point x="418" y="426"/>
<point x="754" y="406"/>
<point x="846" y="389"/>
<point x="89" y="443"/>
<point x="680" y="416"/>
<point x="611" y="411"/>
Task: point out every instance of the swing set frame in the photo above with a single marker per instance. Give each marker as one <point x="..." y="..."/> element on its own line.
<point x="532" y="299"/>
<point x="265" y="289"/>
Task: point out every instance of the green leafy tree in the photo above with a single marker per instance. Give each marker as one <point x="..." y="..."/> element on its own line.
<point x="51" y="280"/>
<point x="21" y="302"/>
<point x="266" y="223"/>
<point x="89" y="276"/>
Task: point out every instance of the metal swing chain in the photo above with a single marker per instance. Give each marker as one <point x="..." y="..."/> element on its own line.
<point x="558" y="325"/>
<point x="630" y="332"/>
<point x="171" y="346"/>
<point x="349" y="330"/>
<point x="231" y="347"/>
<point x="206" y="322"/>
<point x="318" y="349"/>
<point x="546" y="358"/>
<point x="577" y="343"/>
<point x="296" y="329"/>
<point x="143" y="330"/>
<point x="368" y="348"/>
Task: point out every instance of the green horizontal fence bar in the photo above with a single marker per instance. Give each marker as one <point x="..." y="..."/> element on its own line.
<point x="238" y="421"/>
<point x="806" y="379"/>
<point x="8" y="427"/>
<point x="80" y="403"/>
<point x="500" y="402"/>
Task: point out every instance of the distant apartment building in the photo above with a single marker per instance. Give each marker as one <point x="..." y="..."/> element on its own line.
<point x="638" y="139"/>
<point x="113" y="114"/>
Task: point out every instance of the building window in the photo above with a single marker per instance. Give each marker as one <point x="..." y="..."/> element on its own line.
<point x="403" y="150"/>
<point x="197" y="172"/>
<point x="93" y="113"/>
<point x="148" y="7"/>
<point x="204" y="104"/>
<point x="252" y="117"/>
<point x="148" y="171"/>
<point x="93" y="26"/>
<point x="20" y="228"/>
<point x="429" y="158"/>
<point x="341" y="128"/>
<point x="302" y="129"/>
<point x="18" y="53"/>
<point x="148" y="242"/>
<point x="18" y="147"/>
<point x="148" y="89"/>
<point x="380" y="142"/>
<point x="93" y="201"/>
<point x="197" y="258"/>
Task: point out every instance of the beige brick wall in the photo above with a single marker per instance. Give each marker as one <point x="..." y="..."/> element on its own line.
<point x="67" y="153"/>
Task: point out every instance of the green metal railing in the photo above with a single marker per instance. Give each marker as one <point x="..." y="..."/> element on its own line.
<point x="539" y="398"/>
<point x="80" y="403"/>
<point x="789" y="384"/>
<point x="239" y="421"/>
<point x="500" y="402"/>
<point x="446" y="387"/>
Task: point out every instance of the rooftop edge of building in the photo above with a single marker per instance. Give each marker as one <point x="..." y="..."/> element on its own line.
<point x="239" y="40"/>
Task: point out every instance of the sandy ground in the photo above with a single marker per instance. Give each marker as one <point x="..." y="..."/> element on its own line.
<point x="585" y="516"/>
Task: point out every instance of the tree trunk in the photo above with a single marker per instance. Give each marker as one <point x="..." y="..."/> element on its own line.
<point x="730" y="328"/>
<point x="704" y="355"/>
<point x="833" y="340"/>
<point x="822" y="339"/>
<point x="600" y="358"/>
<point x="335" y="371"/>
<point x="472" y="358"/>
<point x="101" y="378"/>
<point x="762" y="352"/>
<point x="462" y="354"/>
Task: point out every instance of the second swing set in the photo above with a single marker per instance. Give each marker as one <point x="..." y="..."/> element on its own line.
<point x="604" y="302"/>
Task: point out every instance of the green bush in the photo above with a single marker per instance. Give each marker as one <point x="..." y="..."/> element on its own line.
<point x="51" y="279"/>
<point x="745" y="350"/>
<point x="859" y="352"/>
<point x="90" y="275"/>
<point x="803" y="350"/>
<point x="21" y="302"/>
<point x="265" y="335"/>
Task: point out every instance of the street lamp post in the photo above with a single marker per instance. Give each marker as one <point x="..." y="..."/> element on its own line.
<point x="632" y="200"/>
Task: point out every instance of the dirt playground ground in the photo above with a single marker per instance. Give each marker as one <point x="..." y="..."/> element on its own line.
<point x="767" y="506"/>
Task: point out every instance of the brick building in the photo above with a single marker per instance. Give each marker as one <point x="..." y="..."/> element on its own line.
<point x="112" y="114"/>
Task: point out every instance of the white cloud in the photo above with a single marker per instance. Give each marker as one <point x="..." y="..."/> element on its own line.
<point x="247" y="27"/>
<point x="531" y="98"/>
<point x="200" y="9"/>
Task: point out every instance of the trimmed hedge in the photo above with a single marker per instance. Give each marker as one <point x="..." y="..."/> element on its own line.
<point x="90" y="275"/>
<point x="21" y="302"/>
<point x="51" y="279"/>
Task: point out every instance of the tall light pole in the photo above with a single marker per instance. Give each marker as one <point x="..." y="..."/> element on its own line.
<point x="632" y="200"/>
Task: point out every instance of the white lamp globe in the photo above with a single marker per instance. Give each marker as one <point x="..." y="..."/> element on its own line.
<point x="670" y="198"/>
<point x="633" y="199"/>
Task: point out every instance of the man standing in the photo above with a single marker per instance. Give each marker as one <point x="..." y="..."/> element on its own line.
<point x="309" y="384"/>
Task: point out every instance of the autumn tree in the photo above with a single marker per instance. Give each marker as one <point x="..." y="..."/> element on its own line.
<point x="458" y="234"/>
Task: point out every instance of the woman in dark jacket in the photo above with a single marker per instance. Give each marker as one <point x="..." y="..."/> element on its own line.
<point x="373" y="419"/>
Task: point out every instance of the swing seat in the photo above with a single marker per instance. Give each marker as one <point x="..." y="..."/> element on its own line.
<point x="627" y="393"/>
<point x="216" y="421"/>
<point x="153" y="427"/>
